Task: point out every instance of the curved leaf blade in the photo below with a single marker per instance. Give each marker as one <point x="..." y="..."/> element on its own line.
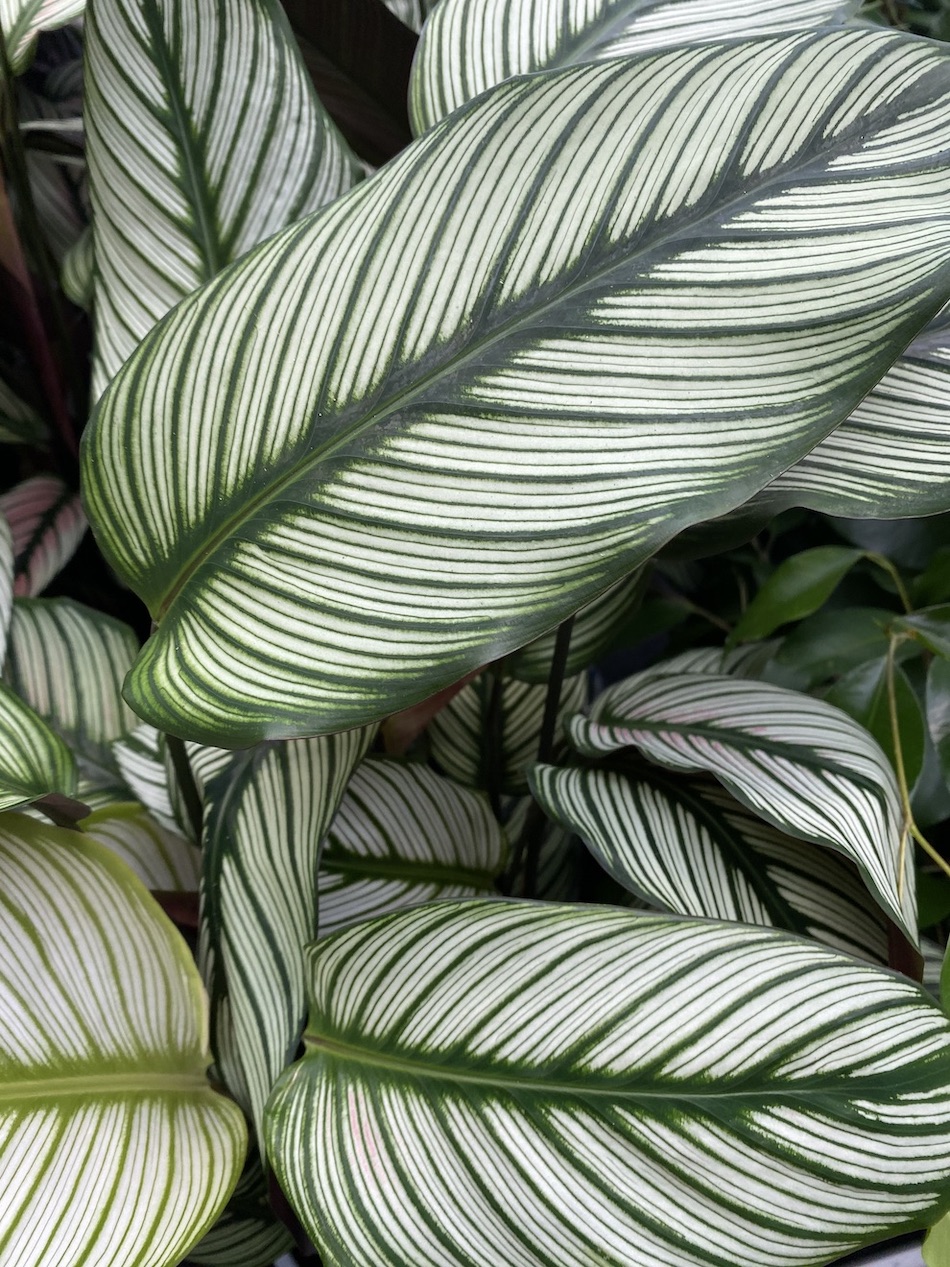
<point x="626" y="1090"/>
<point x="687" y="846"/>
<point x="471" y="45"/>
<point x="204" y="138"/>
<point x="160" y="859"/>
<point x="802" y="765"/>
<point x="19" y="422"/>
<point x="33" y="760"/>
<point x="131" y="1154"/>
<point x="22" y="21"/>
<point x="404" y="516"/>
<point x="47" y="522"/>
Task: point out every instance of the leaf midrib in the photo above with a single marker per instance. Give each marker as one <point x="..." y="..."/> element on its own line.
<point x="105" y="1086"/>
<point x="667" y="233"/>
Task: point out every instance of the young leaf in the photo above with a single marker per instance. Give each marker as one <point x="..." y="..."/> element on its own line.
<point x="800" y="764"/>
<point x="401" y="836"/>
<point x="931" y="627"/>
<point x="470" y="45"/>
<point x="204" y="137"/>
<point x="47" y="522"/>
<point x="796" y="589"/>
<point x="129" y="1153"/>
<point x="687" y="846"/>
<point x="33" y="760"/>
<point x="458" y="468"/>
<point x="936" y="1249"/>
<point x="265" y="818"/>
<point x="500" y="1082"/>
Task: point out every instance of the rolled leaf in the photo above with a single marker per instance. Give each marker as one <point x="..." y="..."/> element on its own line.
<point x="402" y="836"/>
<point x="116" y="1149"/>
<point x="687" y="846"/>
<point x="140" y="758"/>
<point x="802" y="765"/>
<point x="470" y="45"/>
<point x="33" y="760"/>
<point x="495" y="1082"/>
<point x="204" y="137"/>
<point x="47" y="522"/>
<point x="451" y="471"/>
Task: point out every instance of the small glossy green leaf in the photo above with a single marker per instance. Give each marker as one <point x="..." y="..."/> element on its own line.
<point x="116" y="1150"/>
<point x="533" y="1084"/>
<point x="687" y="846"/>
<point x="933" y="898"/>
<point x="33" y="760"/>
<point x="797" y="588"/>
<point x="247" y="1234"/>
<point x="862" y="694"/>
<point x="452" y="470"/>
<point x="936" y="1249"/>
<point x="805" y="767"/>
<point x="938" y="710"/>
<point x="931" y="627"/>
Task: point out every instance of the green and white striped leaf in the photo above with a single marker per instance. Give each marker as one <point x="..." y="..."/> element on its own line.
<point x="265" y="819"/>
<point x="68" y="662"/>
<point x="33" y="760"/>
<point x="204" y="138"/>
<point x="161" y="859"/>
<point x="592" y="633"/>
<point x="19" y="422"/>
<point x="891" y="459"/>
<point x="22" y="21"/>
<point x="140" y="757"/>
<point x="48" y="523"/>
<point x="687" y="846"/>
<point x="556" y="875"/>
<point x="527" y="1084"/>
<point x="116" y="1151"/>
<point x="412" y="12"/>
<point x="6" y="585"/>
<point x="402" y="836"/>
<point x="247" y="1234"/>
<point x="471" y="45"/>
<point x="802" y="765"/>
<point x="464" y="742"/>
<point x="77" y="273"/>
<point x="454" y="469"/>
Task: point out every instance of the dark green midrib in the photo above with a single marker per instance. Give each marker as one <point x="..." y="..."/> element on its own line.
<point x="583" y="1088"/>
<point x="616" y="260"/>
<point x="194" y="184"/>
<point x="101" y="1086"/>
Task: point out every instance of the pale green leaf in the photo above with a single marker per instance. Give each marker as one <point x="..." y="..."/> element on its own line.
<point x="802" y="765"/>
<point x="204" y="137"/>
<point x="530" y="1084"/>
<point x="161" y="859"/>
<point x="265" y="818"/>
<point x="686" y="846"/>
<point x="452" y="469"/>
<point x="22" y="21"/>
<point x="47" y="522"/>
<point x="33" y="760"/>
<point x="471" y="45"/>
<point x="402" y="836"/>
<point x="116" y="1150"/>
<point x="796" y="589"/>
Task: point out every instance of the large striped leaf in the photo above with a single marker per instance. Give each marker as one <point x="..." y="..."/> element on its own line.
<point x="204" y="137"/>
<point x="402" y="836"/>
<point x="140" y="758"/>
<point x="512" y="400"/>
<point x="802" y="765"/>
<point x="247" y="1234"/>
<point x="33" y="760"/>
<point x="466" y="742"/>
<point x="470" y="45"/>
<point x="494" y="1082"/>
<point x="22" y="21"/>
<point x="68" y="662"/>
<point x="687" y="846"/>
<point x="115" y="1150"/>
<point x="265" y="819"/>
<point x="160" y="858"/>
<point x="47" y="522"/>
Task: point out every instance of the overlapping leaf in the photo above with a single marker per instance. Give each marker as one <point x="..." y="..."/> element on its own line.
<point x="402" y="836"/>
<point x="265" y="819"/>
<point x="160" y="858"/>
<point x="47" y="522"/>
<point x="6" y="585"/>
<point x="33" y="760"/>
<point x="495" y="1082"/>
<point x="115" y="1149"/>
<point x="22" y="21"/>
<point x="140" y="758"/>
<point x="470" y="45"/>
<point x="687" y="846"/>
<point x="19" y="422"/>
<point x="802" y="765"/>
<point x="648" y="332"/>
<point x="204" y="137"/>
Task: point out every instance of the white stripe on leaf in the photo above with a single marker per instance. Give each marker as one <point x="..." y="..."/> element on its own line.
<point x="47" y="522"/>
<point x="33" y="760"/>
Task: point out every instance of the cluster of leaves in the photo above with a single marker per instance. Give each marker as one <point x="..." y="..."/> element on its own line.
<point x="541" y="551"/>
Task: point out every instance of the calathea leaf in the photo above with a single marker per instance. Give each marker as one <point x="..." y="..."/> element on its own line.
<point x="160" y="858"/>
<point x="131" y="1154"/>
<point x="33" y="760"/>
<point x="802" y="765"/>
<point x="140" y="758"/>
<point x="247" y="1234"/>
<point x="22" y="21"/>
<point x="685" y="845"/>
<point x="47" y="522"/>
<point x="469" y="45"/>
<point x="401" y="836"/>
<point x="404" y="516"/>
<point x="204" y="137"/>
<point x="6" y="585"/>
<point x="265" y="818"/>
<point x="518" y="1083"/>
<point x="19" y="421"/>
